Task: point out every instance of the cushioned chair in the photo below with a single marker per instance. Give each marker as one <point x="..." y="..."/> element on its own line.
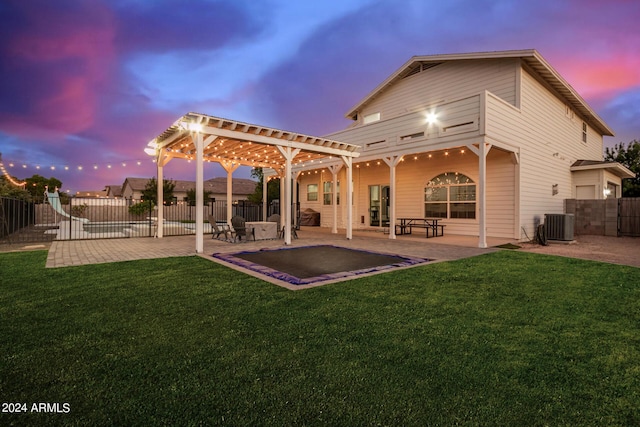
<point x="239" y="227"/>
<point x="219" y="230"/>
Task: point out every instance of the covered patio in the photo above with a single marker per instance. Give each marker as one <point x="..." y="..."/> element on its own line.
<point x="202" y="138"/>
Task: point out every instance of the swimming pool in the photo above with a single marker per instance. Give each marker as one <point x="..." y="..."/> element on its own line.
<point x="109" y="227"/>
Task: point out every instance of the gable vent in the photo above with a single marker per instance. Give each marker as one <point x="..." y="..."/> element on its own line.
<point x="420" y="68"/>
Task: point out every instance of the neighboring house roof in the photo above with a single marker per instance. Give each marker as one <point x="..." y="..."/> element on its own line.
<point x="214" y="185"/>
<point x="114" y="190"/>
<point x="613" y="167"/>
<point x="531" y="57"/>
<point x="91" y="193"/>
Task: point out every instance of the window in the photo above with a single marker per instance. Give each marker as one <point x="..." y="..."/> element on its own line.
<point x="328" y="193"/>
<point x="312" y="192"/>
<point x="326" y="189"/>
<point x="584" y="132"/>
<point x="450" y="195"/>
<point x="370" y="118"/>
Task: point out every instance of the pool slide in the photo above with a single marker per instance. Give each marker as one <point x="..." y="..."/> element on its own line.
<point x="54" y="201"/>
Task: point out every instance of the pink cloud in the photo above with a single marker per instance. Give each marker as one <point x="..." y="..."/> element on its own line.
<point x="604" y="77"/>
<point x="58" y="61"/>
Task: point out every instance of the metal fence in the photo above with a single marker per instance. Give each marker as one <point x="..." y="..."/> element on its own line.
<point x="78" y="218"/>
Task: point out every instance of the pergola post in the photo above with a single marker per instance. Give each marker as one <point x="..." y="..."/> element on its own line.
<point x="264" y="197"/>
<point x="288" y="153"/>
<point x="482" y="193"/>
<point x="392" y="162"/>
<point x="229" y="168"/>
<point x="334" y="169"/>
<point x="159" y="199"/>
<point x="199" y="143"/>
<point x="160" y="163"/>
<point x="348" y="161"/>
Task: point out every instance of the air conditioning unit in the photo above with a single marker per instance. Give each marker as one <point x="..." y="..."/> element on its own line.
<point x="559" y="226"/>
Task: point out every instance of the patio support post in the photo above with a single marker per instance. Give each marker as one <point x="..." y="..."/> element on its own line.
<point x="264" y="196"/>
<point x="348" y="161"/>
<point x="160" y="162"/>
<point x="296" y="175"/>
<point x="288" y="153"/>
<point x="283" y="206"/>
<point x="230" y="168"/>
<point x="159" y="199"/>
<point x="392" y="162"/>
<point x="199" y="143"/>
<point x="334" y="169"/>
<point x="482" y="193"/>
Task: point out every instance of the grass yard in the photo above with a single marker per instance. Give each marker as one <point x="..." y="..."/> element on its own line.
<point x="508" y="338"/>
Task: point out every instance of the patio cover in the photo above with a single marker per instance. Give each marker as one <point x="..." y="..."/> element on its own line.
<point x="232" y="144"/>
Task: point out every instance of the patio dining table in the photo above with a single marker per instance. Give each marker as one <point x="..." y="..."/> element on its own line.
<point x="429" y="224"/>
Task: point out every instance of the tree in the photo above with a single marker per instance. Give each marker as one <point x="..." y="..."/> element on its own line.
<point x="36" y="185"/>
<point x="150" y="191"/>
<point x="273" y="188"/>
<point x="629" y="156"/>
<point x="9" y="190"/>
<point x="191" y="196"/>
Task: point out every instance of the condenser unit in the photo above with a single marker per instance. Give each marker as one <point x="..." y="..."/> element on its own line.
<point x="559" y="226"/>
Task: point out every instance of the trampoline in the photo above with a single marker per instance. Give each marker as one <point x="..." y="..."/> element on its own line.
<point x="312" y="264"/>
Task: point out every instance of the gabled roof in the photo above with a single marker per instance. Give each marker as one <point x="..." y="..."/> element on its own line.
<point x="531" y="57"/>
<point x="114" y="190"/>
<point x="613" y="167"/>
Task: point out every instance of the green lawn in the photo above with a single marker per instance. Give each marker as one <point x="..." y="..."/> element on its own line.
<point x="507" y="338"/>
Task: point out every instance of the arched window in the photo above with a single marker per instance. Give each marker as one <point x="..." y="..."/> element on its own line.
<point x="450" y="195"/>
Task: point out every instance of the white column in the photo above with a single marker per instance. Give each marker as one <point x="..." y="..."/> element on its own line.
<point x="295" y="195"/>
<point x="229" y="168"/>
<point x="199" y="143"/>
<point x="161" y="162"/>
<point x="288" y="153"/>
<point x="160" y="199"/>
<point x="392" y="162"/>
<point x="348" y="161"/>
<point x="334" y="169"/>
<point x="264" y="196"/>
<point x="482" y="193"/>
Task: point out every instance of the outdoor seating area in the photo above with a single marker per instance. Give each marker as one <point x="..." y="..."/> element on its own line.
<point x="430" y="225"/>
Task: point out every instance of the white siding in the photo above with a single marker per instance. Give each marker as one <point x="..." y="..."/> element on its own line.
<point x="550" y="143"/>
<point x="501" y="103"/>
<point x="445" y="82"/>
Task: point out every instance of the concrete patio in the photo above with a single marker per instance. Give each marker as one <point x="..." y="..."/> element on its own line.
<point x="81" y="252"/>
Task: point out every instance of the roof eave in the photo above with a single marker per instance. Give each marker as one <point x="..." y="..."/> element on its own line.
<point x="615" y="168"/>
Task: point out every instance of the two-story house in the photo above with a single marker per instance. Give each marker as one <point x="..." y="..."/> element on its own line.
<point x="487" y="142"/>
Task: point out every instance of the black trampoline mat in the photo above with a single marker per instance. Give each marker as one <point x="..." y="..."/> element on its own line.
<point x="309" y="264"/>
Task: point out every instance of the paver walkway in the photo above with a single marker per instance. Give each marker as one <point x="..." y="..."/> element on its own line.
<point x="80" y="252"/>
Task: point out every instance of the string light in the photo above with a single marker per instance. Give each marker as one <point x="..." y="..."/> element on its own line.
<point x="9" y="177"/>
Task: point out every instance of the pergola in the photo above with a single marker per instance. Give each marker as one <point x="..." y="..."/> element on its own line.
<point x="199" y="138"/>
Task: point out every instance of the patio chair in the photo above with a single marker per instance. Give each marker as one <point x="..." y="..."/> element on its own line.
<point x="294" y="234"/>
<point x="217" y="231"/>
<point x="239" y="226"/>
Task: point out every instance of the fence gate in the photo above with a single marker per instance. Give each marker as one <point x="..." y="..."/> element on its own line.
<point x="629" y="216"/>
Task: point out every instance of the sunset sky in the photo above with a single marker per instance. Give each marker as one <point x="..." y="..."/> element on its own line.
<point x="89" y="82"/>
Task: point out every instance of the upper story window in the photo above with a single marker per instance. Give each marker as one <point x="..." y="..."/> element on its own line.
<point x="370" y="118"/>
<point x="450" y="195"/>
<point x="312" y="192"/>
<point x="584" y="132"/>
